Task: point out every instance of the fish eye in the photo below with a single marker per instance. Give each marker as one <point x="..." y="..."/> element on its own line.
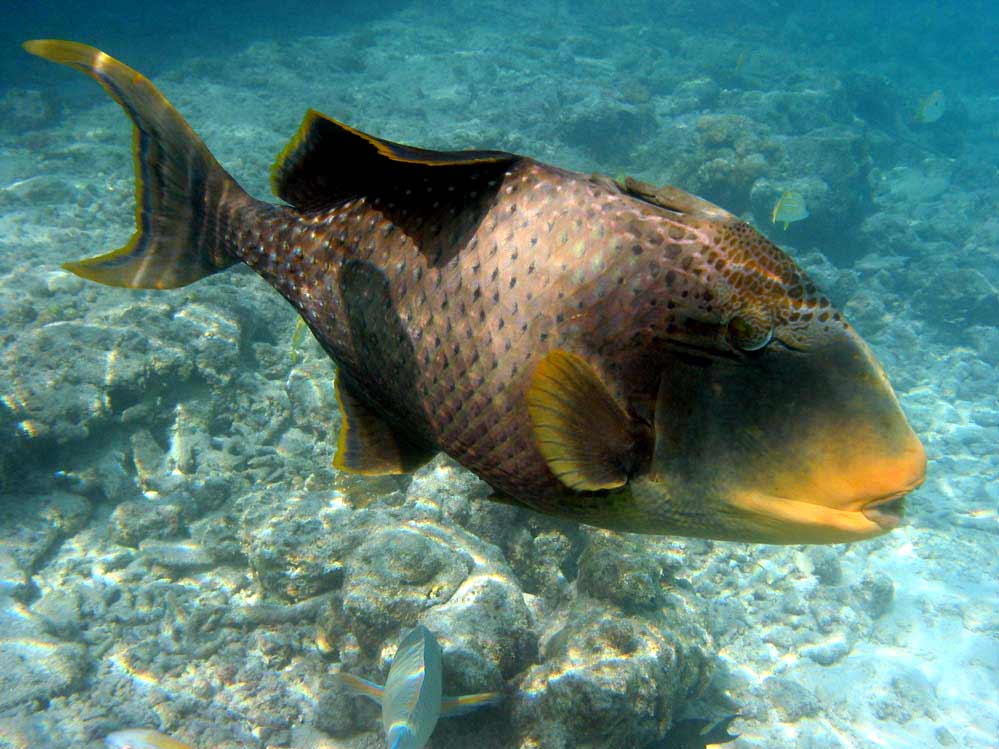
<point x="748" y="334"/>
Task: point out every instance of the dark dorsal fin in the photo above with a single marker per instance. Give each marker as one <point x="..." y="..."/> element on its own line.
<point x="328" y="162"/>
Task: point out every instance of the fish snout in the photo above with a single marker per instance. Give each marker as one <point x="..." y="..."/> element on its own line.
<point x="801" y="446"/>
<point x="905" y="471"/>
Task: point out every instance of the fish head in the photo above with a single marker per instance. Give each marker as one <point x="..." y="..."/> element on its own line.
<point x="774" y="422"/>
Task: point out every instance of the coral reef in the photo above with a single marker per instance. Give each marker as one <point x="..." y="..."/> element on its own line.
<point x="176" y="550"/>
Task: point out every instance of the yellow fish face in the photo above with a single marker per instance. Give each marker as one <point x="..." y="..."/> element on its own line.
<point x="795" y="446"/>
<point x="777" y="425"/>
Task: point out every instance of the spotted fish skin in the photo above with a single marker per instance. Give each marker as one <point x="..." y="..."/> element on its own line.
<point x="556" y="260"/>
<point x="629" y="356"/>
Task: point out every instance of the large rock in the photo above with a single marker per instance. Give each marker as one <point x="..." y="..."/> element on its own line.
<point x="297" y="543"/>
<point x="397" y="574"/>
<point x="609" y="679"/>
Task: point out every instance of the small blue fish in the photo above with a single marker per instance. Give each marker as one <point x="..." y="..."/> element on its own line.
<point x="411" y="699"/>
<point x="142" y="738"/>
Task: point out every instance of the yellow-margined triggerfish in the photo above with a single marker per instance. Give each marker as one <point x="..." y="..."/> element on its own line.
<point x="628" y="356"/>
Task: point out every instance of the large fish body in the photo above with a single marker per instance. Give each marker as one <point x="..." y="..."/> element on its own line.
<point x="633" y="358"/>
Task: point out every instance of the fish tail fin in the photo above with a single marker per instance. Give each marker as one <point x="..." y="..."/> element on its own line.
<point x="452" y="706"/>
<point x="183" y="195"/>
<point x="357" y="685"/>
<point x="397" y="735"/>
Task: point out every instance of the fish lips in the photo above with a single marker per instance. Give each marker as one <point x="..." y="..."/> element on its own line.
<point x="888" y="512"/>
<point x="790" y="445"/>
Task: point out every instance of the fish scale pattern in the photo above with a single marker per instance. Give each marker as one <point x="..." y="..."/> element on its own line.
<point x="443" y="339"/>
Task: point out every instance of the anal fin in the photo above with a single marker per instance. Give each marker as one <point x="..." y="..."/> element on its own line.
<point x="368" y="445"/>
<point x="588" y="440"/>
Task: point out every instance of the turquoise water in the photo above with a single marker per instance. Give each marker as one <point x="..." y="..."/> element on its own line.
<point x="176" y="551"/>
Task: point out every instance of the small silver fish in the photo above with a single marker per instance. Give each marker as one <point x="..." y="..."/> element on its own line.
<point x="411" y="699"/>
<point x="142" y="738"/>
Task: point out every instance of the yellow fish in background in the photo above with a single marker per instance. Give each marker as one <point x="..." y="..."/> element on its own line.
<point x="411" y="699"/>
<point x="142" y="738"/>
<point x="790" y="207"/>
<point x="296" y="341"/>
<point x="931" y="108"/>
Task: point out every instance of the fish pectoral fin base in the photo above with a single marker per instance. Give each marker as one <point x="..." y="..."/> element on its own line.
<point x="452" y="706"/>
<point x="181" y="190"/>
<point x="586" y="438"/>
<point x="368" y="445"/>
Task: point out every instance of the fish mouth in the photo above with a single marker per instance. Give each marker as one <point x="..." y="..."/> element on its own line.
<point x="889" y="511"/>
<point x="805" y="446"/>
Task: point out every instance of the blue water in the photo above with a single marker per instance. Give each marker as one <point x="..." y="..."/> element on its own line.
<point x="173" y="552"/>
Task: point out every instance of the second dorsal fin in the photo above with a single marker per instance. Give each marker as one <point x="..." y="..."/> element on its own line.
<point x="328" y="162"/>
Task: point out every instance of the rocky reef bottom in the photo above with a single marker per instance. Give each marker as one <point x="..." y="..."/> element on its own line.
<point x="176" y="551"/>
<point x="180" y="555"/>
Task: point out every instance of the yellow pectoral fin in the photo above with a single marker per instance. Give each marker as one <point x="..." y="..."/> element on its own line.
<point x="584" y="435"/>
<point x="368" y="445"/>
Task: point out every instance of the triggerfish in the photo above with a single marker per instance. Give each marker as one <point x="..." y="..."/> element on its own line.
<point x="411" y="699"/>
<point x="142" y="738"/>
<point x="628" y="356"/>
